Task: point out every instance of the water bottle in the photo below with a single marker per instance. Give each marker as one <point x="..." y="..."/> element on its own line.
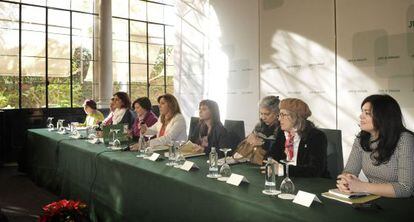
<point x="141" y="145"/>
<point x="270" y="177"/>
<point x="213" y="167"/>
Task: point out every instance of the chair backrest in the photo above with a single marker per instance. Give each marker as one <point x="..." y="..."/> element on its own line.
<point x="156" y="110"/>
<point x="193" y="123"/>
<point x="335" y="158"/>
<point x="235" y="129"/>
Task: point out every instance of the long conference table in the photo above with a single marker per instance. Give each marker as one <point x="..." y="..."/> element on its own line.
<point x="117" y="186"/>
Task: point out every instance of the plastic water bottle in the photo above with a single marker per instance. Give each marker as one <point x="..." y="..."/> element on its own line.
<point x="213" y="167"/>
<point x="270" y="177"/>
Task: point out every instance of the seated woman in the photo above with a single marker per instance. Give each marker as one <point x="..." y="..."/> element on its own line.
<point x="209" y="132"/>
<point x="93" y="116"/>
<point x="122" y="113"/>
<point x="143" y="109"/>
<point x="268" y="125"/>
<point x="171" y="124"/>
<point x="383" y="150"/>
<point x="299" y="141"/>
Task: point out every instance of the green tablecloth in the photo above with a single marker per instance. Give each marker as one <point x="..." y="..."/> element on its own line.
<point x="120" y="187"/>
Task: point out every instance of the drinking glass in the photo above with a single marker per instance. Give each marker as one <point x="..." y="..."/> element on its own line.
<point x="287" y="188"/>
<point x="225" y="170"/>
<point x="49" y="123"/>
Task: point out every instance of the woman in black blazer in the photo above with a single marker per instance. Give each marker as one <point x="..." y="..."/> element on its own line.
<point x="300" y="141"/>
<point x="209" y="132"/>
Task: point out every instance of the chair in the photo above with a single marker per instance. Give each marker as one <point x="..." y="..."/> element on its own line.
<point x="156" y="110"/>
<point x="193" y="123"/>
<point x="335" y="159"/>
<point x="235" y="129"/>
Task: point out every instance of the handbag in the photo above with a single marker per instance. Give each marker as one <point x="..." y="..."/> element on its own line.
<point x="255" y="154"/>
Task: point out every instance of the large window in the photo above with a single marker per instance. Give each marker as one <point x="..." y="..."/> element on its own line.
<point x="48" y="50"/>
<point x="143" y="47"/>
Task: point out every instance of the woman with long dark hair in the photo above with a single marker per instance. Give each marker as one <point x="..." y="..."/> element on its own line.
<point x="209" y="132"/>
<point x="383" y="150"/>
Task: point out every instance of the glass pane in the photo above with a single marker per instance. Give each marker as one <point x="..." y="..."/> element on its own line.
<point x="170" y="55"/>
<point x="155" y="12"/>
<point x="138" y="90"/>
<point x="170" y="16"/>
<point x="138" y="32"/>
<point x="82" y="24"/>
<point x="58" y="68"/>
<point x="35" y="2"/>
<point x="138" y="52"/>
<point x="32" y="66"/>
<point x="155" y="34"/>
<point x="58" y="46"/>
<point x="9" y="12"/>
<point x="170" y="73"/>
<point x="120" y="51"/>
<point x="65" y="4"/>
<point x="82" y="91"/>
<point x="123" y="87"/>
<point x="33" y="43"/>
<point x="33" y="92"/>
<point x="155" y="92"/>
<point x="156" y="75"/>
<point x="139" y="73"/>
<point x="82" y="64"/>
<point x="58" y="21"/>
<point x="120" y="8"/>
<point x="11" y="37"/>
<point x="170" y="35"/>
<point x="9" y="65"/>
<point x="9" y="93"/>
<point x="156" y="54"/>
<point x="83" y="5"/>
<point x="35" y="15"/>
<point x="138" y="10"/>
<point x="120" y="72"/>
<point x="59" y="92"/>
<point x="120" y="29"/>
<point x="170" y="89"/>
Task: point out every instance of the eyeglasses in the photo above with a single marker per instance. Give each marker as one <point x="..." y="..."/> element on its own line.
<point x="282" y="115"/>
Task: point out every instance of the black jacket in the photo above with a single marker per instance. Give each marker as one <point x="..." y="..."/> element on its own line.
<point x="217" y="138"/>
<point x="312" y="154"/>
<point x="128" y="118"/>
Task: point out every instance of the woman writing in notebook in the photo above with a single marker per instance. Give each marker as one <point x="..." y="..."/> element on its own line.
<point x="383" y="150"/>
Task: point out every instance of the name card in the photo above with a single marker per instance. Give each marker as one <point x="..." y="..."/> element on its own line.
<point x="305" y="199"/>
<point x="154" y="156"/>
<point x="236" y="179"/>
<point x="188" y="165"/>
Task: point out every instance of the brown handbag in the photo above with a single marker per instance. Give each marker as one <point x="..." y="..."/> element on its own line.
<point x="255" y="154"/>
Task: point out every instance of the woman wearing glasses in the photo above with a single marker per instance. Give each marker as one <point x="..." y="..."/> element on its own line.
<point x="299" y="141"/>
<point x="383" y="150"/>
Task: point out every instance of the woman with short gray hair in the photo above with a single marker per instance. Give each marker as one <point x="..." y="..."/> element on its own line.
<point x="265" y="131"/>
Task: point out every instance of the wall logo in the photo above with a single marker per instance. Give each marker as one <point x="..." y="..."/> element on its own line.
<point x="411" y="24"/>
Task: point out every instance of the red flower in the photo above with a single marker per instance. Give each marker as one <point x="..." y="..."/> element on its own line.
<point x="63" y="210"/>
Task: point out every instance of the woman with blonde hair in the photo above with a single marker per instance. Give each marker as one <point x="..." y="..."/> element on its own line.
<point x="170" y="126"/>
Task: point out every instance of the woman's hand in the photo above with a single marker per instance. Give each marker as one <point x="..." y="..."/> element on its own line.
<point x="347" y="182"/>
<point x="134" y="147"/>
<point x="254" y="140"/>
<point x="198" y="148"/>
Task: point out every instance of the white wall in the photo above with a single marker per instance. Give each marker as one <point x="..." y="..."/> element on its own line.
<point x="217" y="57"/>
<point x="230" y="50"/>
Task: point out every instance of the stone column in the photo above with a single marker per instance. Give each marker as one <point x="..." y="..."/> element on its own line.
<point x="105" y="43"/>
